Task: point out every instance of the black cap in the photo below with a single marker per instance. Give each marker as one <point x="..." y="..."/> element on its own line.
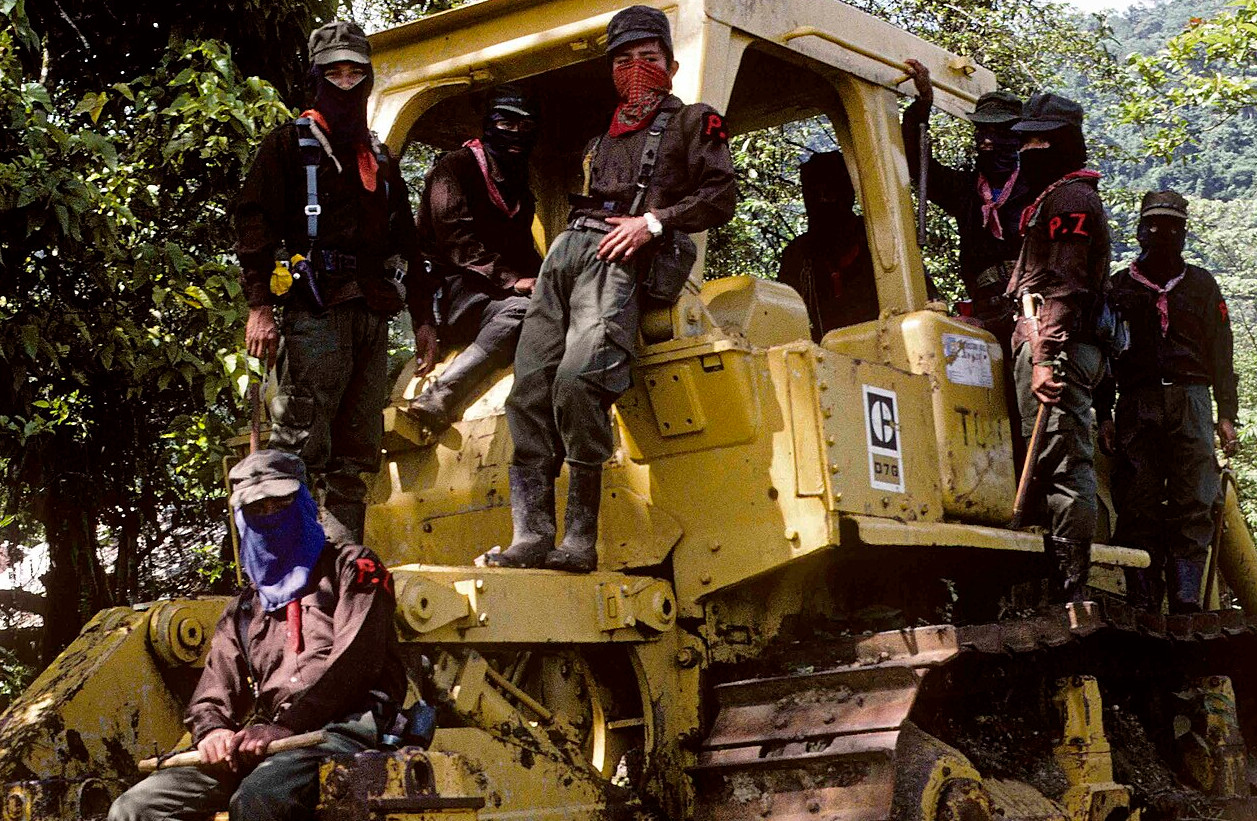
<point x="265" y="474"/>
<point x="1163" y="204"/>
<point x="997" y="108"/>
<point x="337" y="42"/>
<point x="639" y="23"/>
<point x="510" y="99"/>
<point x="1048" y="112"/>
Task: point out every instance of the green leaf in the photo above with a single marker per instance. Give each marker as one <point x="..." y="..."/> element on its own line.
<point x="30" y="340"/>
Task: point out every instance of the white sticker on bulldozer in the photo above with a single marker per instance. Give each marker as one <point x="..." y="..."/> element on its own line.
<point x="881" y="414"/>
<point x="968" y="361"/>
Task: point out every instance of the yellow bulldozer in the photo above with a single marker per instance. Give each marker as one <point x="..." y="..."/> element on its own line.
<point x="806" y="603"/>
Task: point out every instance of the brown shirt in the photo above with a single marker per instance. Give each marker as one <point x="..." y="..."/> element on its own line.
<point x="462" y="232"/>
<point x="349" y="648"/>
<point x="369" y="225"/>
<point x="833" y="272"/>
<point x="1064" y="259"/>
<point x="692" y="188"/>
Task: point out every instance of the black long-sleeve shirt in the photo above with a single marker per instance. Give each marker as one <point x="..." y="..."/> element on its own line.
<point x="1197" y="348"/>
<point x="270" y="214"/>
<point x="955" y="190"/>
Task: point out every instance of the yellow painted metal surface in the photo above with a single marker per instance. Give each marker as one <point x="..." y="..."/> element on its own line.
<point x="1085" y="756"/>
<point x="1237" y="555"/>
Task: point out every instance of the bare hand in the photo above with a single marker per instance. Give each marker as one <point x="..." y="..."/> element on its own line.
<point x="921" y="79"/>
<point x="1043" y="383"/>
<point x="261" y="334"/>
<point x="630" y="234"/>
<point x="1108" y="437"/>
<point x="214" y="747"/>
<point x="248" y="747"/>
<point x="1230" y="439"/>
<point x="427" y="349"/>
<point x="525" y="286"/>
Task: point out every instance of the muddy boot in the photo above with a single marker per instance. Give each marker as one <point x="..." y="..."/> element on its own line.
<point x="434" y="408"/>
<point x="1186" y="577"/>
<point x="578" y="552"/>
<point x="532" y="514"/>
<point x="1069" y="564"/>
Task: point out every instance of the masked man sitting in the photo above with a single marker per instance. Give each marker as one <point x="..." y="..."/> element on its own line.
<point x="308" y="645"/>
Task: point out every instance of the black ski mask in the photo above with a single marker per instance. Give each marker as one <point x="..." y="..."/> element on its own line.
<point x="1161" y="241"/>
<point x="510" y="148"/>
<point x="1067" y="152"/>
<point x="997" y="153"/>
<point x="828" y="194"/>
<point x="345" y="111"/>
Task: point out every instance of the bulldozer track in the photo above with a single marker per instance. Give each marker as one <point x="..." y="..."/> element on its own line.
<point x="827" y="744"/>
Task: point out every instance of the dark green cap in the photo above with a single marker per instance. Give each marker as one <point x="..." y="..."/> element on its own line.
<point x="337" y="42"/>
<point x="510" y="99"/>
<point x="997" y="108"/>
<point x="1163" y="204"/>
<point x="265" y="474"/>
<point x="1048" y="112"/>
<point x="639" y="23"/>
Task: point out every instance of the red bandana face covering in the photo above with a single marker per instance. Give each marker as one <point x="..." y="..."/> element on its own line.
<point x="642" y="86"/>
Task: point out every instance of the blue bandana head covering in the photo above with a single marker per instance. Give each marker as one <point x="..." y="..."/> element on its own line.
<point x="279" y="550"/>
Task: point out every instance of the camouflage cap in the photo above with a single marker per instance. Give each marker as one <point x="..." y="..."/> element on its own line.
<point x="1048" y="112"/>
<point x="639" y="23"/>
<point x="997" y="108"/>
<point x="510" y="99"/>
<point x="337" y="42"/>
<point x="1163" y="203"/>
<point x="265" y="474"/>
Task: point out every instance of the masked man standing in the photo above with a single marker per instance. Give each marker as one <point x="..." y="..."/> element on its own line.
<point x="581" y="328"/>
<point x="326" y="199"/>
<point x="1061" y="275"/>
<point x="829" y="264"/>
<point x="1166" y="477"/>
<point x="309" y="645"/>
<point x="475" y="230"/>
<point x="986" y="201"/>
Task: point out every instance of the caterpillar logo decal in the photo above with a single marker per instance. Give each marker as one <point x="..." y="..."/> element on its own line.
<point x="881" y="416"/>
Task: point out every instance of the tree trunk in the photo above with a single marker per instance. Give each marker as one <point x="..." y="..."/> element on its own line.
<point x="70" y="530"/>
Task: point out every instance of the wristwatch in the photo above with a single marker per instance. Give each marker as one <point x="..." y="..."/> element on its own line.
<point x="653" y="224"/>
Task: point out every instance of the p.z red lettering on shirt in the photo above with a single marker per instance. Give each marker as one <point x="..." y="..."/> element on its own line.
<point x="1069" y="226"/>
<point x="1225" y="314"/>
<point x="372" y="574"/>
<point x="714" y="129"/>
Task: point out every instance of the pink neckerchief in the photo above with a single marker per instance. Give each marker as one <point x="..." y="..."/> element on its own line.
<point x="1163" y="293"/>
<point x="1032" y="210"/>
<point x="991" y="206"/>
<point x="495" y="196"/>
<point x="368" y="165"/>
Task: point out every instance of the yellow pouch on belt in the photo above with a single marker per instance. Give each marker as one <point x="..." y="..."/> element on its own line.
<point x="281" y="278"/>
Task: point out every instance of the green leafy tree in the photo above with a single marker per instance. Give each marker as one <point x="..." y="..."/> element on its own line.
<point x="120" y="302"/>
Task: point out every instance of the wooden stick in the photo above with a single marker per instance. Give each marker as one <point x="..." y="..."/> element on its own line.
<point x="255" y="417"/>
<point x="192" y="758"/>
<point x="1033" y="447"/>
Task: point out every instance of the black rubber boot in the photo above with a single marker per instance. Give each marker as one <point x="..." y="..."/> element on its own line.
<point x="1139" y="590"/>
<point x="578" y="553"/>
<point x="434" y="408"/>
<point x="1186" y="578"/>
<point x="1069" y="564"/>
<point x="532" y="514"/>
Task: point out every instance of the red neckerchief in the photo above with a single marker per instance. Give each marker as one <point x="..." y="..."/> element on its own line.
<point x="1032" y="210"/>
<point x="642" y="86"/>
<point x="495" y="196"/>
<point x="368" y="167"/>
<point x="991" y="207"/>
<point x="1163" y="293"/>
<point x="840" y="266"/>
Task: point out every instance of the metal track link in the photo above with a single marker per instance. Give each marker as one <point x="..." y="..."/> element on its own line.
<point x="817" y="745"/>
